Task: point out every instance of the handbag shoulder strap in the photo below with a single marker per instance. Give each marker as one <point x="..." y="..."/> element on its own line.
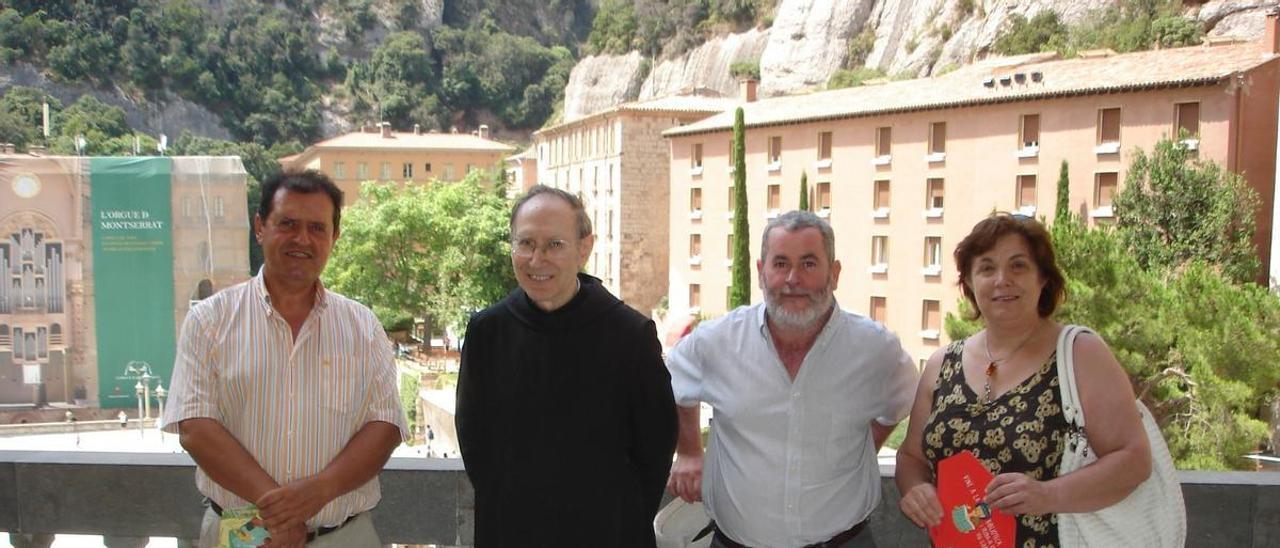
<point x="1071" y="408"/>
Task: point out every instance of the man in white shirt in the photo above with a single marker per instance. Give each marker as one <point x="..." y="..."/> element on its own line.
<point x="804" y="395"/>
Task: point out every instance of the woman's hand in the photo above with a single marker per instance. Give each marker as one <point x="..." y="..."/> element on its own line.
<point x="921" y="505"/>
<point x="1017" y="493"/>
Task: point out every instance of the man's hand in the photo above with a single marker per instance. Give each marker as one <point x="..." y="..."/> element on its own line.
<point x="686" y="477"/>
<point x="921" y="505"/>
<point x="287" y="537"/>
<point x="292" y="504"/>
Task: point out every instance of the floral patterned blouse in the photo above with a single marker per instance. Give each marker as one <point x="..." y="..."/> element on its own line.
<point x="1022" y="430"/>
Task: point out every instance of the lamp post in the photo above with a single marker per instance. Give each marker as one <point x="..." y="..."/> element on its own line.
<point x="146" y="393"/>
<point x="138" y="388"/>
<point x="160" y="395"/>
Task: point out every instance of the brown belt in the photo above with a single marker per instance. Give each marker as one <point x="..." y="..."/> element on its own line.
<point x="833" y="542"/>
<point x="311" y="535"/>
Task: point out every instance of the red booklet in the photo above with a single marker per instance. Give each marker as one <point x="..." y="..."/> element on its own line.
<point x="967" y="521"/>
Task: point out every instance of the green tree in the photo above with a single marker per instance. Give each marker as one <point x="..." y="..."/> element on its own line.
<point x="1176" y="208"/>
<point x="614" y="28"/>
<point x="1062" y="210"/>
<point x="740" y="285"/>
<point x="1042" y="32"/>
<point x="409" y="387"/>
<point x="436" y="250"/>
<point x="804" y="191"/>
<point x="853" y="77"/>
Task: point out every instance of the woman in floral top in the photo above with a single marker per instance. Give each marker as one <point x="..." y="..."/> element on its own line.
<point x="995" y="394"/>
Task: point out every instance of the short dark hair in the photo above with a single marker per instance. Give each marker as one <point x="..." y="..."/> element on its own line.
<point x="984" y="236"/>
<point x="575" y="203"/>
<point x="305" y="182"/>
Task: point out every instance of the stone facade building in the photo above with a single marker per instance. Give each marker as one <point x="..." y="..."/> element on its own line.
<point x="380" y="154"/>
<point x="617" y="161"/>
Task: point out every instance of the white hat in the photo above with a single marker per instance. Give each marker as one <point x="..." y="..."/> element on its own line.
<point x="679" y="523"/>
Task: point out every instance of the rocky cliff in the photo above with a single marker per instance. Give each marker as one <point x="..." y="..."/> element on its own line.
<point x="811" y="39"/>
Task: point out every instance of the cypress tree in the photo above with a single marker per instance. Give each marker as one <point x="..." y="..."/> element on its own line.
<point x="804" y="191"/>
<point x="1063" y="210"/>
<point x="740" y="289"/>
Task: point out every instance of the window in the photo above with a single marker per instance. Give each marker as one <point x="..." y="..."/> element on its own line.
<point x="219" y="207"/>
<point x="879" y="309"/>
<point x="448" y="172"/>
<point x="824" y="146"/>
<point x="187" y="208"/>
<point x="362" y="171"/>
<point x="729" y="156"/>
<point x="696" y="157"/>
<point x="775" y="199"/>
<point x="880" y="200"/>
<point x="408" y="171"/>
<point x="1186" y="124"/>
<point x="1026" y="195"/>
<point x="1029" y="131"/>
<point x="695" y="250"/>
<point x="427" y="167"/>
<point x="879" y="254"/>
<point x="933" y="198"/>
<point x="884" y="137"/>
<point x="339" y="170"/>
<point x="938" y="138"/>
<point x="1108" y="131"/>
<point x="930" y="320"/>
<point x="775" y="153"/>
<point x="695" y="203"/>
<point x="695" y="296"/>
<point x="384" y="173"/>
<point x="730" y="214"/>
<point x="932" y="256"/>
<point x="472" y="167"/>
<point x="823" y="197"/>
<point x="1104" y="189"/>
<point x="728" y="250"/>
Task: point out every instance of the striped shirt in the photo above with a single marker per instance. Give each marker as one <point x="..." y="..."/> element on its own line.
<point x="293" y="405"/>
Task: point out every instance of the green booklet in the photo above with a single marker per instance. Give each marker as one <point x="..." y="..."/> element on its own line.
<point x="241" y="527"/>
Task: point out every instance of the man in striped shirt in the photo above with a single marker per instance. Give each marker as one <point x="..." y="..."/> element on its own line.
<point x="284" y="392"/>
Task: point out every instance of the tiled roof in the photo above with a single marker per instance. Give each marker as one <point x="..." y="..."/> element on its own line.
<point x="409" y="140"/>
<point x="1191" y="66"/>
<point x="690" y="104"/>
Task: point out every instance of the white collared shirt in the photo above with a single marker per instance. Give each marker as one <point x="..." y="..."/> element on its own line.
<point x="293" y="405"/>
<point x="792" y="463"/>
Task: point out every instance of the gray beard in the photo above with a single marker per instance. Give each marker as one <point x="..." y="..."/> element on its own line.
<point x="820" y="304"/>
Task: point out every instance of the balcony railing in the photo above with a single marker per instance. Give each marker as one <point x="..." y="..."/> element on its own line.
<point x="129" y="496"/>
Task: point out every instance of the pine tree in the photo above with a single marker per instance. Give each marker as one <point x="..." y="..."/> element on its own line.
<point x="740" y="288"/>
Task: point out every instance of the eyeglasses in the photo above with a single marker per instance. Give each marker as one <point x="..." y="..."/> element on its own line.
<point x="524" y="248"/>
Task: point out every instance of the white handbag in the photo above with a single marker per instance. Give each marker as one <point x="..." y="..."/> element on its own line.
<point x="1153" y="514"/>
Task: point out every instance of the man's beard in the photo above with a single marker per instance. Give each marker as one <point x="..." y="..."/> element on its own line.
<point x="820" y="302"/>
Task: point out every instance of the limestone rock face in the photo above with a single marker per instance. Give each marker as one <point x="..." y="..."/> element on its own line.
<point x="810" y="39"/>
<point x="599" y="82"/>
<point x="1240" y="18"/>
<point x="705" y="67"/>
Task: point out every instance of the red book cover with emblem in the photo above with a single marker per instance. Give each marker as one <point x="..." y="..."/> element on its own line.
<point x="967" y="521"/>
